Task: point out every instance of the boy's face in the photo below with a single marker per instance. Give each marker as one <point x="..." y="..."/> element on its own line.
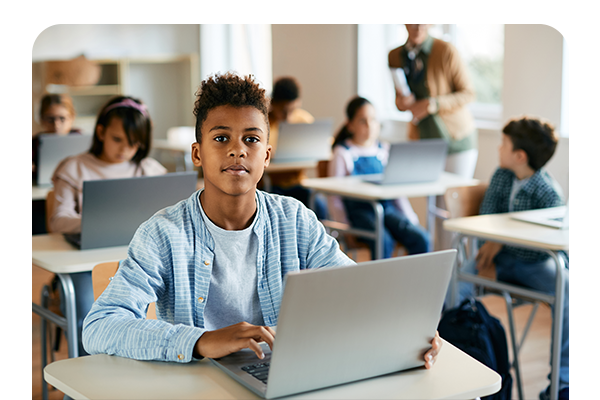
<point x="234" y="151"/>
<point x="509" y="158"/>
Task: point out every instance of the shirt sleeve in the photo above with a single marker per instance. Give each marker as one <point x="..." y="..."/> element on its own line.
<point x="66" y="214"/>
<point x="462" y="89"/>
<point x="117" y="324"/>
<point x="493" y="194"/>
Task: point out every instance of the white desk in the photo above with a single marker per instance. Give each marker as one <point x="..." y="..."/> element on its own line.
<point x="39" y="192"/>
<point x="454" y="376"/>
<point x="355" y="188"/>
<point x="503" y="229"/>
<point x="53" y="253"/>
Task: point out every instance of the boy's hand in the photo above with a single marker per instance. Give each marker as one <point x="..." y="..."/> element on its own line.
<point x="224" y="341"/>
<point x="431" y="355"/>
<point x="487" y="252"/>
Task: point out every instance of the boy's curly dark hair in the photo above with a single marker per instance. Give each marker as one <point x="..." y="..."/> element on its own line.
<point x="537" y="138"/>
<point x="228" y="89"/>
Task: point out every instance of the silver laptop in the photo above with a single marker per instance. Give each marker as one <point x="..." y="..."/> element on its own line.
<point x="53" y="149"/>
<point x="304" y="142"/>
<point x="113" y="209"/>
<point x="339" y="325"/>
<point x="554" y="217"/>
<point x="412" y="162"/>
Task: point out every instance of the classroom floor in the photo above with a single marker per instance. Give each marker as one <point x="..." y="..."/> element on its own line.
<point x="534" y="355"/>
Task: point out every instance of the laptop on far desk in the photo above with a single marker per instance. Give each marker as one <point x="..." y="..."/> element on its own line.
<point x="113" y="209"/>
<point x="340" y="325"/>
<point x="412" y="162"/>
<point x="55" y="148"/>
<point x="304" y="142"/>
<point x="554" y="217"/>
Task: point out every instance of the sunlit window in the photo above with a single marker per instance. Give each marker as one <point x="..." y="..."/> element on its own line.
<point x="481" y="47"/>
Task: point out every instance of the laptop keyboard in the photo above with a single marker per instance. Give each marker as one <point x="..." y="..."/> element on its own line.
<point x="259" y="370"/>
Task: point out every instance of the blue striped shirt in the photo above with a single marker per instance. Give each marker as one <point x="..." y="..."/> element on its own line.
<point x="170" y="261"/>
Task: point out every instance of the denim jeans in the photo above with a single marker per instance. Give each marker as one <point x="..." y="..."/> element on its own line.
<point x="397" y="227"/>
<point x="540" y="276"/>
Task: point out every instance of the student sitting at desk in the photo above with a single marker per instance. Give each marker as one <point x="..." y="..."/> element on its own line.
<point x="56" y="116"/>
<point x="214" y="263"/>
<point x="357" y="151"/>
<point x="521" y="183"/>
<point x="120" y="149"/>
<point x="285" y="107"/>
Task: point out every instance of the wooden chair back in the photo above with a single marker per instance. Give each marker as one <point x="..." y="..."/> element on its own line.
<point x="464" y="201"/>
<point x="101" y="277"/>
<point x="50" y="201"/>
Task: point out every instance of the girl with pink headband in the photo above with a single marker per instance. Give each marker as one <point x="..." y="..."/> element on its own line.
<point x="120" y="149"/>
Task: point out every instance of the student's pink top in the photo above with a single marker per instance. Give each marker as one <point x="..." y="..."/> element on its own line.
<point x="68" y="185"/>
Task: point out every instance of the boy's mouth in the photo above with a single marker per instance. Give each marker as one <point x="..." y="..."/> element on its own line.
<point x="236" y="169"/>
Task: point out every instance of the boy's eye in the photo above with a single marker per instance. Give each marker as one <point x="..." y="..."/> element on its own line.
<point x="220" y="138"/>
<point x="252" y="139"/>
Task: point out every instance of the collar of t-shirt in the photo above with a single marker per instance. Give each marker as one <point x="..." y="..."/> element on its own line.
<point x="516" y="186"/>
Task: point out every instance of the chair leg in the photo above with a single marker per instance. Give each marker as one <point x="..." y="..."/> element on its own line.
<point x="529" y="322"/>
<point x="44" y="339"/>
<point x="513" y="336"/>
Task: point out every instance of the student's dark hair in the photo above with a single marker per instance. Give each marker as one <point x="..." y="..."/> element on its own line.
<point x="56" y="99"/>
<point x="351" y="109"/>
<point x="136" y="124"/>
<point x="228" y="89"/>
<point x="537" y="138"/>
<point x="286" y="88"/>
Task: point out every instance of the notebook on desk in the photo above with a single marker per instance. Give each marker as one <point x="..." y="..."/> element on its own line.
<point x="53" y="149"/>
<point x="113" y="209"/>
<point x="304" y="142"/>
<point x="340" y="325"/>
<point x="412" y="162"/>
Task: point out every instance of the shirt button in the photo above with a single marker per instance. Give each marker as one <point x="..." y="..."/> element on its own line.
<point x="201" y="299"/>
<point x="180" y="356"/>
<point x="206" y="262"/>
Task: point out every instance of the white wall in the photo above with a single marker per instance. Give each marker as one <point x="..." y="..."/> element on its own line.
<point x="323" y="59"/>
<point x="63" y="42"/>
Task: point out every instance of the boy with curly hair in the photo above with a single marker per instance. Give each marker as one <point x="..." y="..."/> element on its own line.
<point x="226" y="238"/>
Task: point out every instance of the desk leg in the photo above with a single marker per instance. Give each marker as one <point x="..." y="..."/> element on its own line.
<point x="378" y="229"/>
<point x="557" y="324"/>
<point x="69" y="291"/>
<point x="431" y="215"/>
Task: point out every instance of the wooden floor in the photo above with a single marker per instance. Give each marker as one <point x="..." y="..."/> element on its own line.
<point x="534" y="354"/>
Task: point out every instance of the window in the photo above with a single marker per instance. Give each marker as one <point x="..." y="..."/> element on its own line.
<point x="481" y="48"/>
<point x="244" y="49"/>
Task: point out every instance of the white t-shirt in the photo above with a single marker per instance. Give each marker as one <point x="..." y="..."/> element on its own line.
<point x="232" y="294"/>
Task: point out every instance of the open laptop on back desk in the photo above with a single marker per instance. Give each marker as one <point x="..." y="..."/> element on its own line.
<point x="412" y="162"/>
<point x="55" y="148"/>
<point x="113" y="209"/>
<point x="326" y="314"/>
<point x="304" y="142"/>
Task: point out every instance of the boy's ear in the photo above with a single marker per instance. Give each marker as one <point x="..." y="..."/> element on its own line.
<point x="196" y="159"/>
<point x="521" y="156"/>
<point x="268" y="155"/>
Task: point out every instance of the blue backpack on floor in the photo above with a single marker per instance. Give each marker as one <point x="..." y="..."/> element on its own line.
<point x="472" y="329"/>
